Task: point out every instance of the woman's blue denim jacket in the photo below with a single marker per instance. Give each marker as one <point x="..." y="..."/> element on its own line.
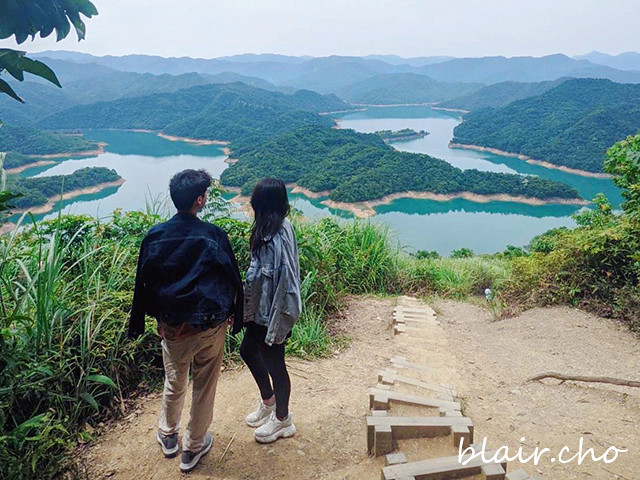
<point x="272" y="286"/>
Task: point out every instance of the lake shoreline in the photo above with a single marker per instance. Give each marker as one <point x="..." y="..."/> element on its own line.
<point x="84" y="153"/>
<point x="366" y="208"/>
<point x="22" y="168"/>
<point x="542" y="163"/>
<point x="51" y="201"/>
<point x="444" y="109"/>
<point x="385" y="105"/>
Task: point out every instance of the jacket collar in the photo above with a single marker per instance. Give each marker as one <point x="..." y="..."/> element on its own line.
<point x="185" y="217"/>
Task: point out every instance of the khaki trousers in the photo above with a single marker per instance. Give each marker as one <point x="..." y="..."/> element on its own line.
<point x="203" y="352"/>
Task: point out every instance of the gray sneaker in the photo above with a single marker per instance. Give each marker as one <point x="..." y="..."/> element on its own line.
<point x="190" y="459"/>
<point x="274" y="429"/>
<point x="261" y="414"/>
<point x="169" y="444"/>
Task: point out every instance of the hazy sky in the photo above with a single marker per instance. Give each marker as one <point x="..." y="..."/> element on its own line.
<point x="213" y="28"/>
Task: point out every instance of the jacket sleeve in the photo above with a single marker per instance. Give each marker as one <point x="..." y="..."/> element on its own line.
<point x="139" y="306"/>
<point x="287" y="304"/>
<point x="236" y="279"/>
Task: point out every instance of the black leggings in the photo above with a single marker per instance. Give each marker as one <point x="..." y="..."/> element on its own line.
<point x="264" y="361"/>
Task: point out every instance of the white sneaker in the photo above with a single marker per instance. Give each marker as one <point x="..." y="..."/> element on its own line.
<point x="274" y="429"/>
<point x="260" y="415"/>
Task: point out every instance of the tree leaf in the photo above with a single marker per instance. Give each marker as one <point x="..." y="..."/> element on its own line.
<point x="87" y="397"/>
<point x="31" y="423"/>
<point x="38" y="68"/>
<point x="9" y="60"/>
<point x="102" y="379"/>
<point x="6" y="88"/>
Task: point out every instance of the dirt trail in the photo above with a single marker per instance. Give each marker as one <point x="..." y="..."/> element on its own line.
<point x="485" y="361"/>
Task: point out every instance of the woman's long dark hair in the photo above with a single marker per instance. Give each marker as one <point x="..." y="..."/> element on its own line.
<point x="270" y="204"/>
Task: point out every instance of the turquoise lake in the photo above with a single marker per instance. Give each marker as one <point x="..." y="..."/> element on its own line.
<point x="147" y="161"/>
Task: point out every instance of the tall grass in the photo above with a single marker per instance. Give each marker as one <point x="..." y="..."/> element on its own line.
<point x="65" y="292"/>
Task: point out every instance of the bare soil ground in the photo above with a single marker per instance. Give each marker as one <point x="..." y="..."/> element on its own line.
<point x="494" y="359"/>
<point x="486" y="361"/>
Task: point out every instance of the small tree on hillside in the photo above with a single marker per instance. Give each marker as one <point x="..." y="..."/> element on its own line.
<point x="623" y="162"/>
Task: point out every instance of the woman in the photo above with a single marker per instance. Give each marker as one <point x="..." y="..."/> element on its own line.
<point x="272" y="306"/>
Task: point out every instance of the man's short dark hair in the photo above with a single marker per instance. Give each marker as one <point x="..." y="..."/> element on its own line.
<point x="186" y="186"/>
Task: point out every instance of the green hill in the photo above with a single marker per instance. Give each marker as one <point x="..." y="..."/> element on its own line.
<point x="357" y="167"/>
<point x="30" y="141"/>
<point x="37" y="190"/>
<point x="233" y="112"/>
<point x="571" y="125"/>
<point x="499" y="95"/>
<point x="399" y="88"/>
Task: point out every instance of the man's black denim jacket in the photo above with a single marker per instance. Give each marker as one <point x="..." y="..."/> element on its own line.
<point x="187" y="273"/>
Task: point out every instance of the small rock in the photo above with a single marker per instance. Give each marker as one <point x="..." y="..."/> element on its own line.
<point x="301" y="453"/>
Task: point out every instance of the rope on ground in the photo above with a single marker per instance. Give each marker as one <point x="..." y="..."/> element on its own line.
<point x="583" y="378"/>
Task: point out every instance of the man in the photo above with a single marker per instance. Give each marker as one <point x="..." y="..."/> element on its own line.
<point x="188" y="279"/>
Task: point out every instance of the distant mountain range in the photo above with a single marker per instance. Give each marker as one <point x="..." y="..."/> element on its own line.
<point x="90" y="83"/>
<point x="624" y="61"/>
<point x="499" y="95"/>
<point x="330" y="74"/>
<point x="400" y="88"/>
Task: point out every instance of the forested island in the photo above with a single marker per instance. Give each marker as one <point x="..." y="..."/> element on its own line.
<point x="43" y="191"/>
<point x="355" y="167"/>
<point x="401" y="135"/>
<point x="570" y="125"/>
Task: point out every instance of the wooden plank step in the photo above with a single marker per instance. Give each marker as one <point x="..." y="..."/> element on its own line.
<point x="381" y="429"/>
<point x="518" y="475"/>
<point x="395" y="459"/>
<point x="423" y="310"/>
<point x="390" y="377"/>
<point x="444" y="403"/>
<point x="417" y="315"/>
<point x="436" y="468"/>
<point x="402" y="362"/>
<point x="493" y="471"/>
<point x="416" y="320"/>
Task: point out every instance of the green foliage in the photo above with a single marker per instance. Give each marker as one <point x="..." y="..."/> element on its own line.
<point x="499" y="95"/>
<point x="571" y="125"/>
<point x="596" y="266"/>
<point x="547" y="241"/>
<point x="356" y="167"/>
<point x="462" y="253"/>
<point x="424" y="254"/>
<point x="29" y="141"/>
<point x="38" y="190"/>
<point x="513" y="252"/>
<point x="403" y="134"/>
<point x="623" y="162"/>
<point x="233" y="112"/>
<point x="24" y="19"/>
<point x="452" y="277"/>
